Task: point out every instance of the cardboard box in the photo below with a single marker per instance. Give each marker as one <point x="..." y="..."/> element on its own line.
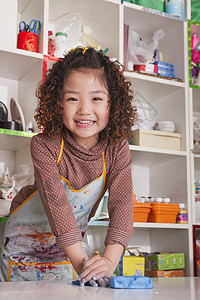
<point x="131" y="265"/>
<point x="169" y="261"/>
<point x="161" y="274"/>
<point x="156" y="139"/>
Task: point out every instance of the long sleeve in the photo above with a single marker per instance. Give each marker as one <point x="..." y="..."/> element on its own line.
<point x="120" y="202"/>
<point x="53" y="197"/>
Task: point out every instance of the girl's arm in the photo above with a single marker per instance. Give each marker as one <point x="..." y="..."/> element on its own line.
<point x="76" y="254"/>
<point x="120" y="208"/>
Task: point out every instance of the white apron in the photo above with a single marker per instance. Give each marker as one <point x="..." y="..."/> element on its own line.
<point x="30" y="251"/>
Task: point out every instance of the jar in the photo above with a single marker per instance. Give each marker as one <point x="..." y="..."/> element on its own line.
<point x="159" y="200"/>
<point x="166" y="200"/>
<point x="182" y="217"/>
<point x="61" y="44"/>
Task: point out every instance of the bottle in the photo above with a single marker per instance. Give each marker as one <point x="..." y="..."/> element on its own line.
<point x="159" y="200"/>
<point x="198" y="187"/>
<point x="166" y="200"/>
<point x="61" y="44"/>
<point x="182" y="217"/>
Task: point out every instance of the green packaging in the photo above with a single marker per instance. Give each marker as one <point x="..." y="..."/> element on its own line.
<point x="154" y="4"/>
<point x="167" y="261"/>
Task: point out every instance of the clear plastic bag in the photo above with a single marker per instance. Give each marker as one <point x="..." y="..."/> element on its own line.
<point x="71" y="24"/>
<point x="11" y="185"/>
<point x="142" y="51"/>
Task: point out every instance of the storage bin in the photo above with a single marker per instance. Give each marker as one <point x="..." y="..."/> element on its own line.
<point x="141" y="212"/>
<point x="163" y="213"/>
<point x="165" y="261"/>
<point x="156" y="139"/>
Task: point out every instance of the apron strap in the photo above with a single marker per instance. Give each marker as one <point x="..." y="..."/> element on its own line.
<point x="61" y="150"/>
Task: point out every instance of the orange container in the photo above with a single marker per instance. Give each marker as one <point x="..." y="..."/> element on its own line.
<point x="163" y="213"/>
<point x="141" y="212"/>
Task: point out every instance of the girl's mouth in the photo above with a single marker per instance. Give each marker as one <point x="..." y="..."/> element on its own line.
<point x="84" y="123"/>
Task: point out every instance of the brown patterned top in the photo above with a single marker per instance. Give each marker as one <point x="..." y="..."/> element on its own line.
<point x="81" y="166"/>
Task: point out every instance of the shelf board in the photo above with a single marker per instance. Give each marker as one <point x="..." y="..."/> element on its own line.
<point x="135" y="75"/>
<point x="160" y="225"/>
<point x="158" y="150"/>
<point x="150" y="10"/>
<point x="153" y="156"/>
<point x="114" y="1"/>
<point x="13" y="140"/>
<point x="146" y="225"/>
<point x="15" y="64"/>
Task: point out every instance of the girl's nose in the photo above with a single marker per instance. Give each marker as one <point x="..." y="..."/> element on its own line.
<point x="84" y="108"/>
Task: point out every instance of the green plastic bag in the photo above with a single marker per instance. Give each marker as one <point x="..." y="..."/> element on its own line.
<point x="154" y="4"/>
<point x="195" y="10"/>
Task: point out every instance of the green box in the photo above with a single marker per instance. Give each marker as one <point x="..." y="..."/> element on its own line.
<point x="169" y="261"/>
<point x="154" y="4"/>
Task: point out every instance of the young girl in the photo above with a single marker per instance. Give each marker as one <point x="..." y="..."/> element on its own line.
<point x="86" y="112"/>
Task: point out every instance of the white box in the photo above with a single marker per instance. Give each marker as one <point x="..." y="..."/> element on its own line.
<point x="156" y="139"/>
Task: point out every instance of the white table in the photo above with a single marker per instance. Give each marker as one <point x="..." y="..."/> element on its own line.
<point x="164" y="289"/>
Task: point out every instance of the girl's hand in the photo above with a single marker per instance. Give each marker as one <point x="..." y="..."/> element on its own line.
<point x="96" y="268"/>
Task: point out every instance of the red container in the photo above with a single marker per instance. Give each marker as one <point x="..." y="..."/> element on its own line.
<point x="27" y="41"/>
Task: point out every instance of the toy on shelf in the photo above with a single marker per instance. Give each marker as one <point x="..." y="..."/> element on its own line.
<point x="195" y="59"/>
<point x="141" y="51"/>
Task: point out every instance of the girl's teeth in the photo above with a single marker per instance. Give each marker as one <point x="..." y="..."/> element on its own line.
<point x="85" y="122"/>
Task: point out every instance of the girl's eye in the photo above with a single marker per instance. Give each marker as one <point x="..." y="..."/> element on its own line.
<point x="71" y="99"/>
<point x="96" y="99"/>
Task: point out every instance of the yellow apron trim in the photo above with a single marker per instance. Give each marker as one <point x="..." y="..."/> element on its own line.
<point x="33" y="194"/>
<point x="104" y="176"/>
<point x="76" y="191"/>
<point x="11" y="263"/>
<point x="61" y="150"/>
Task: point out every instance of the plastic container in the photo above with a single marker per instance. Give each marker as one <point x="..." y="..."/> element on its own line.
<point x="182" y="217"/>
<point x="163" y="213"/>
<point x="141" y="212"/>
<point x="27" y="41"/>
<point x="61" y="44"/>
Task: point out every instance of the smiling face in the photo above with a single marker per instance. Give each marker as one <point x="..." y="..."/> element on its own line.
<point x="85" y="106"/>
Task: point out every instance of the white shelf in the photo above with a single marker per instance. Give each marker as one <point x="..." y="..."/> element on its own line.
<point x="172" y="82"/>
<point x="15" y="140"/>
<point x="149" y="157"/>
<point x="158" y="150"/>
<point x="147" y="225"/>
<point x="16" y="64"/>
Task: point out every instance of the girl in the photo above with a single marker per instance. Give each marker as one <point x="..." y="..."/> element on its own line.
<point x="86" y="112"/>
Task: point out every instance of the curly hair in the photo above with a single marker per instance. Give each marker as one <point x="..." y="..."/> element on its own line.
<point x="122" y="112"/>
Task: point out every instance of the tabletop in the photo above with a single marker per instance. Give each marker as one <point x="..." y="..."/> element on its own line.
<point x="183" y="288"/>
